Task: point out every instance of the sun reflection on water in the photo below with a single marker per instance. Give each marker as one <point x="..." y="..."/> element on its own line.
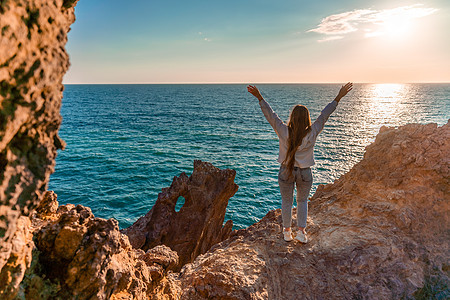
<point x="387" y="101"/>
<point x="374" y="105"/>
<point x="388" y="90"/>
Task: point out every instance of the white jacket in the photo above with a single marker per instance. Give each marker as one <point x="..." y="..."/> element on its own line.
<point x="304" y="157"/>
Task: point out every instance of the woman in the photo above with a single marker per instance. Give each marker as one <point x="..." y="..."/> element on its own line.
<point x="296" y="140"/>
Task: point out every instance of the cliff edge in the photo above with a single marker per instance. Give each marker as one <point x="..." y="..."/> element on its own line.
<point x="381" y="231"/>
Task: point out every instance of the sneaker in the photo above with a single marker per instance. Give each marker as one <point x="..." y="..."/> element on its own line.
<point x="301" y="237"/>
<point x="287" y="235"/>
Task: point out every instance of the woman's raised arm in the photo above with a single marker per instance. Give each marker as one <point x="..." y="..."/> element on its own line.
<point x="343" y="91"/>
<point x="273" y="119"/>
<point x="318" y="125"/>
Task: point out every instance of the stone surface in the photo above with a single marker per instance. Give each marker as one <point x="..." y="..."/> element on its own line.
<point x="381" y="231"/>
<point x="198" y="224"/>
<point x="78" y="256"/>
<point x="48" y="205"/>
<point x="160" y="259"/>
<point x="19" y="259"/>
<point x="33" y="61"/>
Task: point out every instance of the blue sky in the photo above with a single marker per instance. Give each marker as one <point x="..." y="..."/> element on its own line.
<point x="259" y="41"/>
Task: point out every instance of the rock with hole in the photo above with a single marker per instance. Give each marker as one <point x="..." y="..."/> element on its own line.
<point x="198" y="224"/>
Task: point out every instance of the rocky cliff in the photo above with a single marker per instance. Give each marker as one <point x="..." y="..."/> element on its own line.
<point x="378" y="232"/>
<point x="381" y="231"/>
<point x="32" y="63"/>
<point x="78" y="256"/>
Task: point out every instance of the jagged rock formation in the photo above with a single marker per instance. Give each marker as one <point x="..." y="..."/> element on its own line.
<point x="198" y="224"/>
<point x="78" y="256"/>
<point x="379" y="232"/>
<point x="83" y="257"/>
<point x="32" y="63"/>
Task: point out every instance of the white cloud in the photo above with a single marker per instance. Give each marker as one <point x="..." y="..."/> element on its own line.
<point x="351" y="21"/>
<point x="341" y="23"/>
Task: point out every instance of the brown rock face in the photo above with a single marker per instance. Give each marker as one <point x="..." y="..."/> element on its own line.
<point x="48" y="205"/>
<point x="88" y="257"/>
<point x="79" y="256"/>
<point x="198" y="225"/>
<point x="379" y="232"/>
<point x="32" y="63"/>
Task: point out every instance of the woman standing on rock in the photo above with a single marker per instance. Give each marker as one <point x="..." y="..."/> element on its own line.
<point x="297" y="140"/>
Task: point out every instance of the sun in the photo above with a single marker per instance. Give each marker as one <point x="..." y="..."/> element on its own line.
<point x="394" y="27"/>
<point x="397" y="27"/>
<point x="396" y="24"/>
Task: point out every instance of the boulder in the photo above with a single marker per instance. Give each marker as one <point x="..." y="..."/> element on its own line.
<point x="80" y="256"/>
<point x="48" y="205"/>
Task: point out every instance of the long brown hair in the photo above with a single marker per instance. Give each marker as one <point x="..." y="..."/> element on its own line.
<point x="299" y="125"/>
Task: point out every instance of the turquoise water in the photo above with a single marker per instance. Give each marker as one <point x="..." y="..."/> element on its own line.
<point x="126" y="142"/>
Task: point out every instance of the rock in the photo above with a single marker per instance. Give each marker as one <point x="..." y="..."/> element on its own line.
<point x="198" y="224"/>
<point x="161" y="255"/>
<point x="160" y="259"/>
<point x="48" y="205"/>
<point x="33" y="61"/>
<point x="79" y="256"/>
<point x="19" y="258"/>
<point x="379" y="232"/>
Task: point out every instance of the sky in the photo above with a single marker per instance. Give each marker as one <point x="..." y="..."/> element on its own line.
<point x="259" y="41"/>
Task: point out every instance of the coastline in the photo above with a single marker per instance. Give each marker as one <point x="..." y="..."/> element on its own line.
<point x="380" y="231"/>
<point x="124" y="144"/>
<point x="376" y="232"/>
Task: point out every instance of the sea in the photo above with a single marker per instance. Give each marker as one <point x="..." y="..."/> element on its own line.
<point x="127" y="142"/>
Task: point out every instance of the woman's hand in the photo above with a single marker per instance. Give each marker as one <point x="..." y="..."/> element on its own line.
<point x="254" y="91"/>
<point x="343" y="91"/>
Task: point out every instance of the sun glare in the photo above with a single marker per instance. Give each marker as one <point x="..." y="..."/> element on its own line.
<point x="386" y="100"/>
<point x="393" y="27"/>
<point x="397" y="27"/>
<point x="387" y="91"/>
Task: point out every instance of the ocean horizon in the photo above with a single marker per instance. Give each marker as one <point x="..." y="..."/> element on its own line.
<point x="125" y="142"/>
